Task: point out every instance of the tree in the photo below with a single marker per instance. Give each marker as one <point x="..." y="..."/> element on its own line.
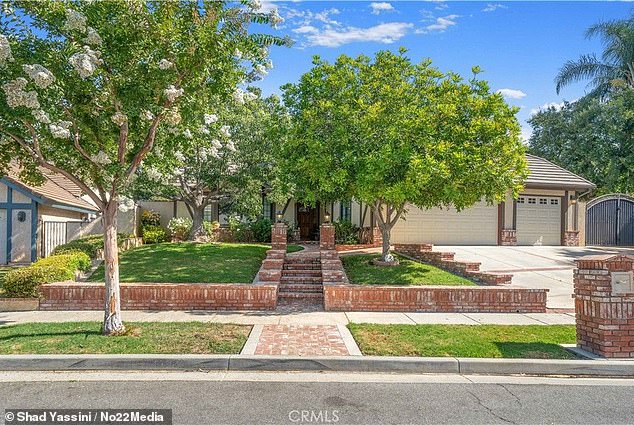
<point x="88" y="86"/>
<point x="592" y="138"/>
<point x="227" y="156"/>
<point x="615" y="68"/>
<point x="391" y="133"/>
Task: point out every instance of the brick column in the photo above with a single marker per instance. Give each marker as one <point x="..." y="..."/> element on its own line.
<point x="604" y="305"/>
<point x="278" y="236"/>
<point x="571" y="238"/>
<point x="327" y="236"/>
<point x="508" y="237"/>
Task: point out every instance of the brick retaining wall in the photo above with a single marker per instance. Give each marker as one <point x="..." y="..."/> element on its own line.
<point x="161" y="296"/>
<point x="434" y="299"/>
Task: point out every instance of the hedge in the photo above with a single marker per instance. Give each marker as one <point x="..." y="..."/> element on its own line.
<point x="90" y="245"/>
<point x="26" y="281"/>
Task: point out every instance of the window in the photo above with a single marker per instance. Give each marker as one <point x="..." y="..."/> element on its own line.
<point x="532" y="200"/>
<point x="345" y="211"/>
<point x="268" y="210"/>
<point x="543" y="201"/>
<point x="554" y="202"/>
<point x="521" y="200"/>
<point x="208" y="213"/>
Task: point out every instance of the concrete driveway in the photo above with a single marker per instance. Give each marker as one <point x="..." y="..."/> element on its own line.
<point x="533" y="266"/>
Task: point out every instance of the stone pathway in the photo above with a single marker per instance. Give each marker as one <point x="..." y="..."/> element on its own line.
<point x="301" y="340"/>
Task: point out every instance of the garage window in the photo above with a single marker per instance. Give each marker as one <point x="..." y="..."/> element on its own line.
<point x="532" y="200"/>
<point x="520" y="201"/>
<point x="543" y="201"/>
<point x="554" y="202"/>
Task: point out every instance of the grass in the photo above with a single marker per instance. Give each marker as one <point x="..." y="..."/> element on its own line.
<point x="150" y="338"/>
<point x="507" y="341"/>
<point x="360" y="271"/>
<point x="294" y="248"/>
<point x="189" y="263"/>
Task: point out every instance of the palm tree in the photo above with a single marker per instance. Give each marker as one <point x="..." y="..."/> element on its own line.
<point x="616" y="66"/>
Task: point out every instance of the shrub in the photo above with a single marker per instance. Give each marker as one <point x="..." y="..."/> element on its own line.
<point x="210" y="227"/>
<point x="346" y="233"/>
<point x="90" y="245"/>
<point x="150" y="218"/>
<point x="154" y="234"/>
<point x="180" y="227"/>
<point x="26" y="281"/>
<point x="261" y="230"/>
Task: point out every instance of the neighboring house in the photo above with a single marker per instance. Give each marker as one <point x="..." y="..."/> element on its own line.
<point x="549" y="211"/>
<point x="25" y="211"/>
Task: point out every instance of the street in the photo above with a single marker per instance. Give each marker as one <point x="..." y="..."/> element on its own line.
<point x="287" y="398"/>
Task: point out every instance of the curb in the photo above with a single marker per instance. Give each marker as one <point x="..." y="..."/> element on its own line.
<point x="375" y="364"/>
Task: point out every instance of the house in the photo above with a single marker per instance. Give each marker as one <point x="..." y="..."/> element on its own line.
<point x="26" y="211"/>
<point x="549" y="211"/>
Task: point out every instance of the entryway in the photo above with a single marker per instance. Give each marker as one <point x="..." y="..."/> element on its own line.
<point x="308" y="221"/>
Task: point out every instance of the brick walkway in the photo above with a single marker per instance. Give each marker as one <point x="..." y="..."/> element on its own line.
<point x="302" y="340"/>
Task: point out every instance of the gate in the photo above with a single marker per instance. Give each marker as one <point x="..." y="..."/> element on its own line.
<point x="54" y="234"/>
<point x="610" y="220"/>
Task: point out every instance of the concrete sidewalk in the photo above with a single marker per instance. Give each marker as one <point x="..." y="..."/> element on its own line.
<point x="310" y="318"/>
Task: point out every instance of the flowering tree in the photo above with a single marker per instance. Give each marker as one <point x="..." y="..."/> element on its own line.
<point x="391" y="133"/>
<point x="87" y="88"/>
<point x="227" y="156"/>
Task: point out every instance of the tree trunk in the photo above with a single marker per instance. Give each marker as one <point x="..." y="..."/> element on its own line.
<point x="385" y="234"/>
<point x="198" y="218"/>
<point x="386" y="221"/>
<point x="112" y="324"/>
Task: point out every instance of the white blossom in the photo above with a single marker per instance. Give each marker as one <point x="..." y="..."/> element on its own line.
<point x="5" y="50"/>
<point x="60" y="130"/>
<point x="179" y="156"/>
<point x="232" y="168"/>
<point x="210" y="118"/>
<point x="214" y="152"/>
<point x="216" y="143"/>
<point x="225" y="130"/>
<point x="41" y="116"/>
<point x="172" y="116"/>
<point x="172" y="93"/>
<point x="125" y="204"/>
<point x="41" y="76"/>
<point x="238" y="96"/>
<point x="261" y="70"/>
<point x="154" y="174"/>
<point x="275" y="18"/>
<point x="231" y="146"/>
<point x="75" y="21"/>
<point x="237" y="53"/>
<point x="179" y="172"/>
<point x="146" y="115"/>
<point x="188" y="134"/>
<point x="250" y="96"/>
<point x="119" y="118"/>
<point x="255" y="5"/>
<point x="204" y="130"/>
<point x="165" y="64"/>
<point x="85" y="63"/>
<point x="101" y="158"/>
<point x="16" y="96"/>
<point x="172" y="130"/>
<point x="93" y="37"/>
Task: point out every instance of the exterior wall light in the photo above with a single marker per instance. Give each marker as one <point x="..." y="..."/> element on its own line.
<point x="279" y="216"/>
<point x="327" y="217"/>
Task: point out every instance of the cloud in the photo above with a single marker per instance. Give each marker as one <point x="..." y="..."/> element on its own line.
<point x="512" y="93"/>
<point x="554" y="105"/>
<point x="383" y="33"/>
<point x="306" y="29"/>
<point x="526" y="133"/>
<point x="492" y="7"/>
<point x="440" y="25"/>
<point x="380" y="7"/>
<point x="307" y="17"/>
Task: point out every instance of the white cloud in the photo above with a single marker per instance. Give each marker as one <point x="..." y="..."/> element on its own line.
<point x="526" y="133"/>
<point x="306" y="29"/>
<point x="512" y="93"/>
<point x="441" y="24"/>
<point x="307" y="17"/>
<point x="380" y="7"/>
<point x="383" y="33"/>
<point x="492" y="7"/>
<point x="555" y="105"/>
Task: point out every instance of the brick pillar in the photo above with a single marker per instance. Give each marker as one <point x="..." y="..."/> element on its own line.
<point x="508" y="237"/>
<point x="604" y="305"/>
<point x="327" y="236"/>
<point x="278" y="236"/>
<point x="377" y="237"/>
<point x="571" y="238"/>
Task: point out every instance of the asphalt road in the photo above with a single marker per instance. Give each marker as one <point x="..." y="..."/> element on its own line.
<point x="284" y="398"/>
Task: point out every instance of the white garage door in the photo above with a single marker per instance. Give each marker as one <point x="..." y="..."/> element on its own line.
<point x="473" y="226"/>
<point x="538" y="220"/>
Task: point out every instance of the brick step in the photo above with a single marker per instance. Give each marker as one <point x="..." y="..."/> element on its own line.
<point x="300" y="287"/>
<point x="300" y="279"/>
<point x="303" y="272"/>
<point x="287" y="266"/>
<point x="295" y="260"/>
<point x="300" y="295"/>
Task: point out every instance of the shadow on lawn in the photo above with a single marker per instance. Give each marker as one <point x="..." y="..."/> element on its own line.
<point x="85" y="333"/>
<point x="533" y="350"/>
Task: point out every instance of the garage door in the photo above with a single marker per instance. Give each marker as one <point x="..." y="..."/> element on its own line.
<point x="473" y="226"/>
<point x="538" y="220"/>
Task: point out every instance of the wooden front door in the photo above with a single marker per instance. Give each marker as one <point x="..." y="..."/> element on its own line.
<point x="308" y="221"/>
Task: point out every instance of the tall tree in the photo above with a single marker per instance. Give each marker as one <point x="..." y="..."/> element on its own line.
<point x="88" y="86"/>
<point x="391" y="133"/>
<point x="613" y="70"/>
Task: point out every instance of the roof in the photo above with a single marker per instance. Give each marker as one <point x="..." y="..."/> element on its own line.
<point x="56" y="191"/>
<point x="545" y="174"/>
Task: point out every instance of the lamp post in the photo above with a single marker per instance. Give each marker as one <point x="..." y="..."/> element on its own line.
<point x="279" y="216"/>
<point x="327" y="217"/>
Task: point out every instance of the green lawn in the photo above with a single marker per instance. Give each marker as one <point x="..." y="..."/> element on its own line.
<point x="294" y="248"/>
<point x="150" y="338"/>
<point x="189" y="262"/>
<point x="360" y="271"/>
<point x="532" y="341"/>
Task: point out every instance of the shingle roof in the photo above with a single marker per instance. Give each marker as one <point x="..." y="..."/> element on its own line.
<point x="545" y="174"/>
<point x="56" y="190"/>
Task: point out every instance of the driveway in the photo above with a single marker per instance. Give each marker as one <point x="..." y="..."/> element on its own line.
<point x="533" y="266"/>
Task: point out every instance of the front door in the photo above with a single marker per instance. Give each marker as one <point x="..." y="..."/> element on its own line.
<point x="308" y="222"/>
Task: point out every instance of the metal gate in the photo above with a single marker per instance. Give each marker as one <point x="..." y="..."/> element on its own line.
<point x="610" y="220"/>
<point x="54" y="234"/>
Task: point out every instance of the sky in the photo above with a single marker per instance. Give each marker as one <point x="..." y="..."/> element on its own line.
<point x="520" y="46"/>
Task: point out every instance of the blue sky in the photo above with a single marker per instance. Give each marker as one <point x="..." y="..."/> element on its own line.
<point x="519" y="45"/>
